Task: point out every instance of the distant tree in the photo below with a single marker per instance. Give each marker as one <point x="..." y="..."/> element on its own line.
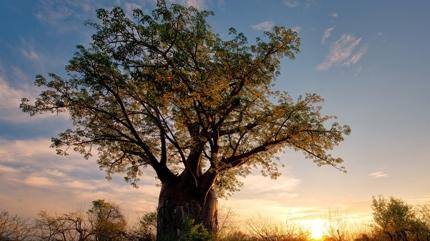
<point x="103" y="222"/>
<point x="165" y="91"/>
<point x="398" y="220"/>
<point x="13" y="228"/>
<point x="107" y="222"/>
<point x="227" y="224"/>
<point x="146" y="228"/>
<point x="424" y="214"/>
<point x="72" y="226"/>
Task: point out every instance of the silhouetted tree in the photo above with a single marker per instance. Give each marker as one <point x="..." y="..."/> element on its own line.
<point x="108" y="223"/>
<point x="164" y="91"/>
<point x="72" y="226"/>
<point x="103" y="222"/>
<point x="398" y="220"/>
<point x="13" y="228"/>
<point x="145" y="229"/>
<point x="424" y="214"/>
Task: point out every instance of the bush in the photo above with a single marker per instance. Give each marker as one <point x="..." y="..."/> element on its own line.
<point x="191" y="231"/>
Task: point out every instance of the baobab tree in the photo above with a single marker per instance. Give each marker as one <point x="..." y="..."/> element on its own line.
<point x="166" y="92"/>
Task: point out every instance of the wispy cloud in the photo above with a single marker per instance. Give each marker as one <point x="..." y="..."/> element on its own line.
<point x="31" y="168"/>
<point x="262" y="195"/>
<point x="297" y="3"/>
<point x="291" y="3"/>
<point x="378" y="174"/>
<point x="10" y="98"/>
<point x="12" y="151"/>
<point x="346" y="51"/>
<point x="129" y="7"/>
<point x="63" y="14"/>
<point x="70" y="15"/>
<point x="6" y="169"/>
<point x="37" y="181"/>
<point x="326" y="34"/>
<point x="55" y="172"/>
<point x="30" y="54"/>
<point x="199" y="4"/>
<point x="334" y="15"/>
<point x="258" y="187"/>
<point x="296" y="29"/>
<point x="11" y="94"/>
<point x="263" y="26"/>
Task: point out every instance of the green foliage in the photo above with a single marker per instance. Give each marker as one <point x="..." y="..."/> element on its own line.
<point x="398" y="220"/>
<point x="163" y="90"/>
<point x="190" y="231"/>
<point x="103" y="222"/>
<point x="107" y="221"/>
<point x="392" y="214"/>
<point x="146" y="227"/>
<point x="424" y="214"/>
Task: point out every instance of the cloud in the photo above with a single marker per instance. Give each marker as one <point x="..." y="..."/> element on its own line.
<point x="30" y="54"/>
<point x="31" y="168"/>
<point x="356" y="57"/>
<point x="55" y="172"/>
<point x="199" y="4"/>
<point x="378" y="174"/>
<point x="327" y="34"/>
<point x="263" y="26"/>
<point x="55" y="12"/>
<point x="291" y="3"/>
<point x="36" y="156"/>
<point x="296" y="29"/>
<point x="37" y="181"/>
<point x="5" y="169"/>
<point x="345" y="51"/>
<point x="70" y="15"/>
<point x="259" y="188"/>
<point x="297" y="3"/>
<point x="10" y="98"/>
<point x="334" y="15"/>
<point x="129" y="7"/>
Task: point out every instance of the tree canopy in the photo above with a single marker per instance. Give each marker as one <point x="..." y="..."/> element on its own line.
<point x="163" y="90"/>
<point x="399" y="220"/>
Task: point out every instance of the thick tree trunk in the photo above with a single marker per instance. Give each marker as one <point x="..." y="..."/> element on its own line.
<point x="180" y="202"/>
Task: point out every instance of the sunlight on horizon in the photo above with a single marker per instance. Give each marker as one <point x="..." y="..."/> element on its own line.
<point x="316" y="227"/>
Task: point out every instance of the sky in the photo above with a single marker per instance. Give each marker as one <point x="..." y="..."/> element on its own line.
<point x="368" y="59"/>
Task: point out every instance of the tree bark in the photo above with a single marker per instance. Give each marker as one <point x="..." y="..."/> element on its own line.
<point x="181" y="202"/>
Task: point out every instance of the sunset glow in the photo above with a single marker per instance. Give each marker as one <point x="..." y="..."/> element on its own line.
<point x="316" y="227"/>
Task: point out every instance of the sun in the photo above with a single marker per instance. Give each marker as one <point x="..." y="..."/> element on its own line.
<point x="316" y="227"/>
<point x="317" y="231"/>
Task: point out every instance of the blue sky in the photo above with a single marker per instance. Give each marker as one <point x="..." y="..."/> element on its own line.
<point x="368" y="59"/>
